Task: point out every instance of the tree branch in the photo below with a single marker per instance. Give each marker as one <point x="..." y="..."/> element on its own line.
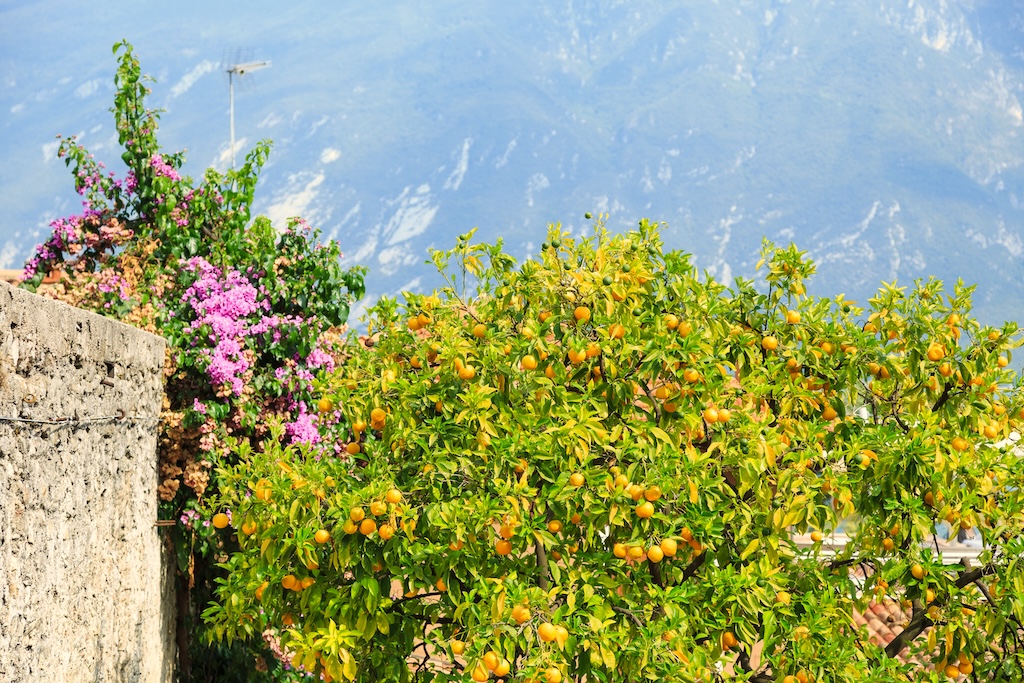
<point x="632" y="617"/>
<point x="920" y="621"/>
<point x="694" y="565"/>
<point x="542" y="565"/>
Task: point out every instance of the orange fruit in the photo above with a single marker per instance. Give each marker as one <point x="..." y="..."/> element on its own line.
<point x="684" y="328"/>
<point x="729" y="640"/>
<point x="581" y="314"/>
<point x="358" y="426"/>
<point x="652" y="493"/>
<point x="467" y="372"/>
<point x="502" y="668"/>
<point x="552" y="675"/>
<point x="619" y="550"/>
<point x="546" y="631"/>
<point x="645" y="510"/>
<point x="386" y="532"/>
<point x="710" y="415"/>
<point x="520" y="614"/>
<point x="616" y="331"/>
<point x="441" y="585"/>
<point x="322" y="536"/>
<point x="261" y="589"/>
<point x="935" y="352"/>
<point x="655" y="554"/>
<point x="479" y="330"/>
<point x="248" y="528"/>
<point x="220" y="520"/>
<point x="959" y="444"/>
<point x="378" y="508"/>
<point x="352" y="448"/>
<point x="576" y="479"/>
<point x="349" y="527"/>
<point x="288" y="581"/>
<point x="636" y="552"/>
<point x="816" y="536"/>
<point x="325" y="405"/>
<point x="669" y="547"/>
<point x="458" y="647"/>
<point x="917" y="571"/>
<point x="393" y="496"/>
<point x="529" y="362"/>
<point x="480" y="673"/>
<point x="506" y="531"/>
<point x="356" y="514"/>
<point x="554" y="526"/>
<point x="378" y="415"/>
<point x="769" y="343"/>
<point x="792" y="317"/>
<point x="367" y="527"/>
<point x="671" y="321"/>
<point x="503" y="547"/>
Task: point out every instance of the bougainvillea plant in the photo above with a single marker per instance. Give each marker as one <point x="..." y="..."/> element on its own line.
<point x="250" y="315"/>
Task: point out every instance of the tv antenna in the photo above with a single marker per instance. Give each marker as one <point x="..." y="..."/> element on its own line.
<point x="239" y="69"/>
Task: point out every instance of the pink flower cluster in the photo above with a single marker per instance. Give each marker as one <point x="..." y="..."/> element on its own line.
<point x="303" y="429"/>
<point x="110" y="281"/>
<point x="223" y="302"/>
<point x="162" y="168"/>
<point x="66" y="233"/>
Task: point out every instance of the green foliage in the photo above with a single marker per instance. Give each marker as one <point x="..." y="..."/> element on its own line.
<point x="602" y="440"/>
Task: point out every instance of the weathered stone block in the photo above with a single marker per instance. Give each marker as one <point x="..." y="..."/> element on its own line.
<point x="86" y="587"/>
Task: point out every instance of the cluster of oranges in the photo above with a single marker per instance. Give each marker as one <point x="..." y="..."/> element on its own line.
<point x="359" y="522"/>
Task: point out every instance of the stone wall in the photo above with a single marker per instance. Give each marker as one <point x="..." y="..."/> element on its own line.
<point x="86" y="589"/>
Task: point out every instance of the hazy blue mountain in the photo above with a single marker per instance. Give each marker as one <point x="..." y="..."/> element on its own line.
<point x="884" y="137"/>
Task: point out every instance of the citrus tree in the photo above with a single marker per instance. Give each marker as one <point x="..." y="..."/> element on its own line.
<point x="596" y="465"/>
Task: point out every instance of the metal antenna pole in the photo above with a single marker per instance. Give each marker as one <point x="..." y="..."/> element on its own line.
<point x="241" y="70"/>
<point x="231" y="97"/>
